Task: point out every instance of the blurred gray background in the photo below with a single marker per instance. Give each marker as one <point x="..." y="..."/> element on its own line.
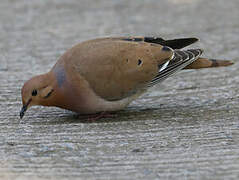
<point x="185" y="128"/>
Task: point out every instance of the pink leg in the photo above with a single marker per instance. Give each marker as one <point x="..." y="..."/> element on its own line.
<point x="95" y="117"/>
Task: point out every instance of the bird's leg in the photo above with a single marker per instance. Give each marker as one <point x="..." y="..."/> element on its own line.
<point x="101" y="115"/>
<point x="104" y="114"/>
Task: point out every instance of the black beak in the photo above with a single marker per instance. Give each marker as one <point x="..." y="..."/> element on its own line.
<point x="24" y="109"/>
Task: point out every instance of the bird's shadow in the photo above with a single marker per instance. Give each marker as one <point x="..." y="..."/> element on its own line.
<point x="119" y="116"/>
<point x="129" y="114"/>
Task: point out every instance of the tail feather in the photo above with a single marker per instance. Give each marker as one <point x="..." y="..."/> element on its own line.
<point x="208" y="63"/>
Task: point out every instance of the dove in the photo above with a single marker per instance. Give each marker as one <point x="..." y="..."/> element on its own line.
<point x="107" y="74"/>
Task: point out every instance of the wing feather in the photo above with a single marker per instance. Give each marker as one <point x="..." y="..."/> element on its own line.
<point x="181" y="59"/>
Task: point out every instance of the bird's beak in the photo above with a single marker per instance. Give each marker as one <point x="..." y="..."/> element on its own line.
<point x="24" y="108"/>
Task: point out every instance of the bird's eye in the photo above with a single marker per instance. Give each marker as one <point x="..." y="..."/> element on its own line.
<point x="34" y="92"/>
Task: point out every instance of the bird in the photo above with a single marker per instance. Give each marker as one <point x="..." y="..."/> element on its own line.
<point x="107" y="74"/>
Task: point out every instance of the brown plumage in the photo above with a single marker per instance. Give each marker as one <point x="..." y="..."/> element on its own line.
<point x="107" y="74"/>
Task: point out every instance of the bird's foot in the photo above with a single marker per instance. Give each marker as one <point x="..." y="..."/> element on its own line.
<point x="101" y="115"/>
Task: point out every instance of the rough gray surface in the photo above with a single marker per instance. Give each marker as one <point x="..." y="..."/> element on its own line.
<point x="186" y="128"/>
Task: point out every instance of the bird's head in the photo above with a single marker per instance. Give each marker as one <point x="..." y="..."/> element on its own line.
<point x="36" y="91"/>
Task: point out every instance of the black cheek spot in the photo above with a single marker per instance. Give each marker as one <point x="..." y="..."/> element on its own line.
<point x="139" y="62"/>
<point x="127" y="60"/>
<point x="49" y="94"/>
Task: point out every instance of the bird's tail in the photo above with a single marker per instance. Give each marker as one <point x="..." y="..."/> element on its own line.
<point x="208" y="63"/>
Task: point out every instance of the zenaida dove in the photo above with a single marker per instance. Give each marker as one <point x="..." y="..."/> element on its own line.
<point x="107" y="74"/>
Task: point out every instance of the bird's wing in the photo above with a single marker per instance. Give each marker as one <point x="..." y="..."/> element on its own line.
<point x="181" y="59"/>
<point x="116" y="69"/>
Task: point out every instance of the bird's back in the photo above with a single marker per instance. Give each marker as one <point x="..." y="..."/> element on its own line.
<point x="114" y="68"/>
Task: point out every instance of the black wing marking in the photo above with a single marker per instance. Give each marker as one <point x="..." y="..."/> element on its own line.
<point x="180" y="60"/>
<point x="172" y="43"/>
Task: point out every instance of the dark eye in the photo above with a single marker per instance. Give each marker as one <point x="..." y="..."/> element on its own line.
<point x="34" y="92"/>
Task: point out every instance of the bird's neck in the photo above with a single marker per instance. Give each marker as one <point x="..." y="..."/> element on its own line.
<point x="62" y="91"/>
